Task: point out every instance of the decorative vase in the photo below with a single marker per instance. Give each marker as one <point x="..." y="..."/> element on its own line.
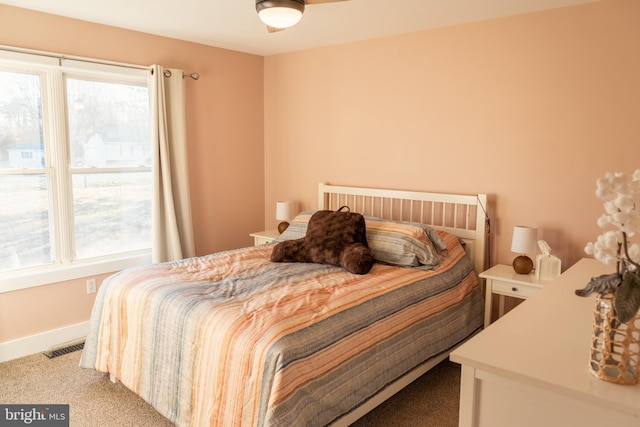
<point x="615" y="346"/>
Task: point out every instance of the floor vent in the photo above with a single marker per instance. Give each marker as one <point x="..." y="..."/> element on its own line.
<point x="65" y="350"/>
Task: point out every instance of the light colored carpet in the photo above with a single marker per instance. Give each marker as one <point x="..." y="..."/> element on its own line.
<point x="94" y="401"/>
<point x="431" y="401"/>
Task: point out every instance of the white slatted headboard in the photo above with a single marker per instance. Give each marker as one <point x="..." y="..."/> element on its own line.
<point x="461" y="215"/>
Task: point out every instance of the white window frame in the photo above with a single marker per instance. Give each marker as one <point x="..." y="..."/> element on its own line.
<point x="52" y="69"/>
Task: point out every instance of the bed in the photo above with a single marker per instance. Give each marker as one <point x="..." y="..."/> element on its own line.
<point x="234" y="339"/>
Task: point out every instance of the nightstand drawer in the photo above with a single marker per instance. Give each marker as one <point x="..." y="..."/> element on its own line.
<point x="264" y="237"/>
<point x="513" y="289"/>
<point x="261" y="240"/>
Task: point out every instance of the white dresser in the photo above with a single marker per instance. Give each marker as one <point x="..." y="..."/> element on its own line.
<point x="530" y="367"/>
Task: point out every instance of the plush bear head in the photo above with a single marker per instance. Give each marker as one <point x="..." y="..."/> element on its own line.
<point x="333" y="237"/>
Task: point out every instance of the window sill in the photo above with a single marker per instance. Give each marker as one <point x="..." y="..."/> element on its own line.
<point x="32" y="277"/>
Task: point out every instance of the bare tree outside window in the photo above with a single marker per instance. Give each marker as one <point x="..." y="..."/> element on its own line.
<point x="109" y="135"/>
<point x="25" y="233"/>
<point x="107" y="178"/>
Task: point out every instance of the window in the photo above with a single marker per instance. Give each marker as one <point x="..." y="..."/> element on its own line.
<point x="75" y="168"/>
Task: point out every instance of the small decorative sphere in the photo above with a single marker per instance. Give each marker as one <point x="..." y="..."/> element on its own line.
<point x="282" y="226"/>
<point x="522" y="264"/>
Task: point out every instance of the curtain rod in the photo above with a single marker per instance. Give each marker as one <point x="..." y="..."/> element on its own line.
<point x="194" y="76"/>
<point x="61" y="57"/>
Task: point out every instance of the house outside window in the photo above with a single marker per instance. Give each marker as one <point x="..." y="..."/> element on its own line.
<point x="26" y="156"/>
<point x="75" y="169"/>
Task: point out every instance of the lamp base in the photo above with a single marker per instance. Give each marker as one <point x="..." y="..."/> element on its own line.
<point x="283" y="226"/>
<point x="522" y="264"/>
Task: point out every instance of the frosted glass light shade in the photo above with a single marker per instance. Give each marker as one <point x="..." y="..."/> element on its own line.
<point x="280" y="17"/>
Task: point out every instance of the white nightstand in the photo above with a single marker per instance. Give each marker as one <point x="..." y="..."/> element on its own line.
<point x="504" y="281"/>
<point x="262" y="237"/>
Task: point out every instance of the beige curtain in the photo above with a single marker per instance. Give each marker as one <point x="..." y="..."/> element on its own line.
<point x="171" y="217"/>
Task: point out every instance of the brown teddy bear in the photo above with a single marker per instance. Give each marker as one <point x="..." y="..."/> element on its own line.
<point x="333" y="237"/>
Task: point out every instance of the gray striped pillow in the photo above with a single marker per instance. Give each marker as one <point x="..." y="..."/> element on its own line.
<point x="391" y="242"/>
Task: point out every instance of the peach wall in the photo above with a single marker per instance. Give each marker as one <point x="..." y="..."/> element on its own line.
<point x="225" y="145"/>
<point x="530" y="109"/>
<point x="44" y="308"/>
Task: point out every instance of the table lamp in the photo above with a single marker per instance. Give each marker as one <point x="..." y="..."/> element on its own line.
<point x="284" y="212"/>
<point x="524" y="242"/>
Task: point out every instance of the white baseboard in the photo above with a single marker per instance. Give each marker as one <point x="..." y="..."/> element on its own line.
<point x="42" y="342"/>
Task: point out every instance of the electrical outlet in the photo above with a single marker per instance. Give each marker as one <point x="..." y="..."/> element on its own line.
<point x="91" y="286"/>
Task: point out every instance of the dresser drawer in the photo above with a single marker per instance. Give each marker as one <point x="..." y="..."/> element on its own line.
<point x="514" y="289"/>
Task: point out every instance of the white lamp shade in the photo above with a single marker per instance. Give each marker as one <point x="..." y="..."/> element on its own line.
<point x="280" y="17"/>
<point x="524" y="240"/>
<point x="284" y="211"/>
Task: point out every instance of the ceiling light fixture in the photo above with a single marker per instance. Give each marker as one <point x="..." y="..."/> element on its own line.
<point x="280" y="13"/>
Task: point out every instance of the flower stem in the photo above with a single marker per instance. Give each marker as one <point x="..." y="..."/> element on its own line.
<point x="625" y="245"/>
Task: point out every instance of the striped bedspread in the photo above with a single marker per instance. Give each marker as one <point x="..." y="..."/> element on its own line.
<point x="232" y="339"/>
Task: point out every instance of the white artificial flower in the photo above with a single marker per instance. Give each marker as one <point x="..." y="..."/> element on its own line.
<point x="620" y="193"/>
<point x="590" y="249"/>
<point x="610" y="207"/>
<point x="604" y="191"/>
<point x="630" y="227"/>
<point x="619" y="219"/>
<point x="621" y="196"/>
<point x="624" y="202"/>
<point x="604" y="220"/>
<point x="605" y="249"/>
<point x="611" y="239"/>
